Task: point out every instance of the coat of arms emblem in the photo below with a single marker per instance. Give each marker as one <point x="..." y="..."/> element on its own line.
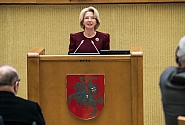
<point x="85" y="95"/>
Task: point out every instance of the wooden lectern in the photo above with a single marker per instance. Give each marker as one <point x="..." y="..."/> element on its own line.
<point x="181" y="120"/>
<point x="46" y="75"/>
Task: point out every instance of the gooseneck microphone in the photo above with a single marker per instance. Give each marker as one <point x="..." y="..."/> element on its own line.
<point x="95" y="46"/>
<point x="79" y="46"/>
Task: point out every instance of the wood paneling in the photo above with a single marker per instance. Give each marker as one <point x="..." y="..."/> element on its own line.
<point x="98" y="1"/>
<point x="82" y="1"/>
<point x="17" y="1"/>
<point x="181" y="120"/>
<point x="123" y="86"/>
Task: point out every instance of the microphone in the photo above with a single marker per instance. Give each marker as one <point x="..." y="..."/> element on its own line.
<point x="79" y="46"/>
<point x="95" y="46"/>
<point x="34" y="123"/>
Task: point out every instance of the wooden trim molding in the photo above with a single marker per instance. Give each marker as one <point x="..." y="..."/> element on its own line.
<point x="85" y="1"/>
<point x="18" y="1"/>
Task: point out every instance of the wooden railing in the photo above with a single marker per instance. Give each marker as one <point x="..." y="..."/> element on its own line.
<point x="84" y="1"/>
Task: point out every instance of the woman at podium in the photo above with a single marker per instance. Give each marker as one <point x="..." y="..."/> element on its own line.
<point x="89" y="40"/>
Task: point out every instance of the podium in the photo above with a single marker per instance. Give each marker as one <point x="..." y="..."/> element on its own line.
<point x="181" y="120"/>
<point x="123" y="101"/>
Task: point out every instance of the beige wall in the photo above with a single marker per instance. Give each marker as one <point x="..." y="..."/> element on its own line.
<point x="157" y="28"/>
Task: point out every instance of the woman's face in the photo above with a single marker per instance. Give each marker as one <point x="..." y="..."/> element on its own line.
<point x="89" y="20"/>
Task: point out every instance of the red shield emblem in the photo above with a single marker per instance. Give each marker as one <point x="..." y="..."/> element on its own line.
<point x="85" y="95"/>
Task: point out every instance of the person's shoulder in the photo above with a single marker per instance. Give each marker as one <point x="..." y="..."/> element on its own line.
<point x="76" y="34"/>
<point x="171" y="68"/>
<point x="102" y="33"/>
<point x="106" y="35"/>
<point x="26" y="101"/>
<point x="168" y="71"/>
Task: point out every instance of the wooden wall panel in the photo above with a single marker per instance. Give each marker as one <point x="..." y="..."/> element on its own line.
<point x="82" y="1"/>
<point x="17" y="1"/>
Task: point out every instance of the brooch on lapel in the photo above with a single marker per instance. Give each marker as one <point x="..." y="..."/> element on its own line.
<point x="96" y="39"/>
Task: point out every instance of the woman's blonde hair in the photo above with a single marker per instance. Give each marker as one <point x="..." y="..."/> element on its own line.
<point x="96" y="15"/>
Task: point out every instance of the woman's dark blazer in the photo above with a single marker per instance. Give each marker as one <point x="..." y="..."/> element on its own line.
<point x="101" y="41"/>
